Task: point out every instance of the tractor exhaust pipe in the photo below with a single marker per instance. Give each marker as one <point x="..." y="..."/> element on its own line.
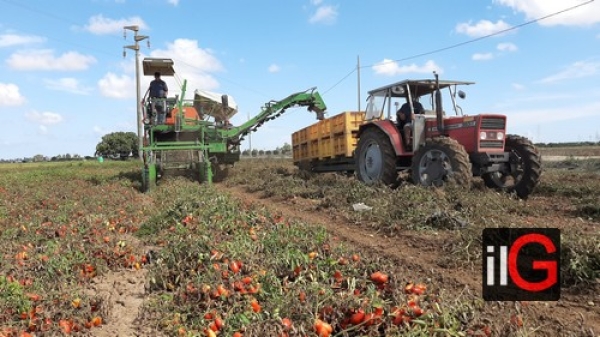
<point x="438" y="106"/>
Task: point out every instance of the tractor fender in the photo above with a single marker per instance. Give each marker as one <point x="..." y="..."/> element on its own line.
<point x="390" y="129"/>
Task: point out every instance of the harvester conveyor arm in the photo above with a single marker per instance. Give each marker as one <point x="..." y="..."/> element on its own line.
<point x="273" y="109"/>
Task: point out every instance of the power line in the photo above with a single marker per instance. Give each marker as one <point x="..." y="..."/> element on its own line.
<point x="59" y="18"/>
<point x="340" y="81"/>
<point x="485" y="36"/>
<point x="343" y="78"/>
<point x="467" y="42"/>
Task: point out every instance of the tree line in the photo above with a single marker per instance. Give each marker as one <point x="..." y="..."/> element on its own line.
<point x="125" y="144"/>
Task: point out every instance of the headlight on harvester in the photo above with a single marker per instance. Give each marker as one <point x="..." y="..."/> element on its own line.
<point x="483" y="135"/>
<point x="146" y="121"/>
<point x="500" y="136"/>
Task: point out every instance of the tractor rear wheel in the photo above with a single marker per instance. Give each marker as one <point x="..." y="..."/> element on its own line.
<point x="439" y="161"/>
<point x="525" y="166"/>
<point x="376" y="159"/>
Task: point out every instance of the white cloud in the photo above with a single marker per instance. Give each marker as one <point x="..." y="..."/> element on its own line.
<point x="44" y="118"/>
<point x="324" y="14"/>
<point x="10" y="95"/>
<point x="192" y="63"/>
<point x="112" y="85"/>
<point x="482" y="57"/>
<point x="273" y="68"/>
<point x="507" y="46"/>
<point x="100" y="25"/>
<point x="578" y="69"/>
<point x="46" y="60"/>
<point x="316" y="2"/>
<point x="68" y="84"/>
<point x="391" y="68"/>
<point x="482" y="28"/>
<point x="518" y="86"/>
<point x="582" y="16"/>
<point x="173" y="2"/>
<point x="9" y="40"/>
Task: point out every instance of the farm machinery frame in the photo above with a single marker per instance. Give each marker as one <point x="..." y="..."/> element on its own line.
<point x="196" y="137"/>
<point x="439" y="149"/>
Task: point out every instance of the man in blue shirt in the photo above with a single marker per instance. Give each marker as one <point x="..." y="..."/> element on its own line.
<point x="158" y="93"/>
<point x="158" y="87"/>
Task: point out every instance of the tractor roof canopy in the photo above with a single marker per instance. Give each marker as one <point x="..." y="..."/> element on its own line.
<point x="162" y="65"/>
<point x="417" y="88"/>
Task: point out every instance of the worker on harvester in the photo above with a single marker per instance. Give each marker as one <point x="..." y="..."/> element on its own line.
<point x="158" y="94"/>
<point x="405" y="117"/>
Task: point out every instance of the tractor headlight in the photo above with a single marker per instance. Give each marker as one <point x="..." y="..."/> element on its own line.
<point x="500" y="136"/>
<point x="483" y="135"/>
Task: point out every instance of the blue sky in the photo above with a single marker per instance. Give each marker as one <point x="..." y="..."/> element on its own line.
<point x="64" y="81"/>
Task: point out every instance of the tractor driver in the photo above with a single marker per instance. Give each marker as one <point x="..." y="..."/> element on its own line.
<point x="158" y="93"/>
<point x="405" y="118"/>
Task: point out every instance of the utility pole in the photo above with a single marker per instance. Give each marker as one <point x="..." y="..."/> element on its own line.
<point x="137" y="38"/>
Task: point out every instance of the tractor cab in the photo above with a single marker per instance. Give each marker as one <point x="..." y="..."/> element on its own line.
<point x="388" y="100"/>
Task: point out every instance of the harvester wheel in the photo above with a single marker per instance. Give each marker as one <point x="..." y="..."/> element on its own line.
<point x="376" y="159"/>
<point x="439" y="161"/>
<point x="145" y="180"/>
<point x="148" y="178"/>
<point x="220" y="172"/>
<point x="525" y="165"/>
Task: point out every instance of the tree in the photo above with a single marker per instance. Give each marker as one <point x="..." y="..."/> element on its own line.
<point x="286" y="148"/>
<point x="118" y="144"/>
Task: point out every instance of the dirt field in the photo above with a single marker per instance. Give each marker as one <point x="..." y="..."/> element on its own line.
<point x="448" y="257"/>
<point x="273" y="251"/>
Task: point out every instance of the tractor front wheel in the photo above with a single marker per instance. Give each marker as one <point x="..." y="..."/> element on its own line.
<point x="525" y="168"/>
<point x="439" y="161"/>
<point x="376" y="159"/>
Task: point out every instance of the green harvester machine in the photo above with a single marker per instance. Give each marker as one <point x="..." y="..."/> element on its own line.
<point x="195" y="137"/>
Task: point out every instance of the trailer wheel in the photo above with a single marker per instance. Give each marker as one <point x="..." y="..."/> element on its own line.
<point x="375" y="159"/>
<point x="439" y="161"/>
<point x="525" y="168"/>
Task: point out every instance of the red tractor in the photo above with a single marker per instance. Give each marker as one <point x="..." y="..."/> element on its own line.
<point x="437" y="148"/>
